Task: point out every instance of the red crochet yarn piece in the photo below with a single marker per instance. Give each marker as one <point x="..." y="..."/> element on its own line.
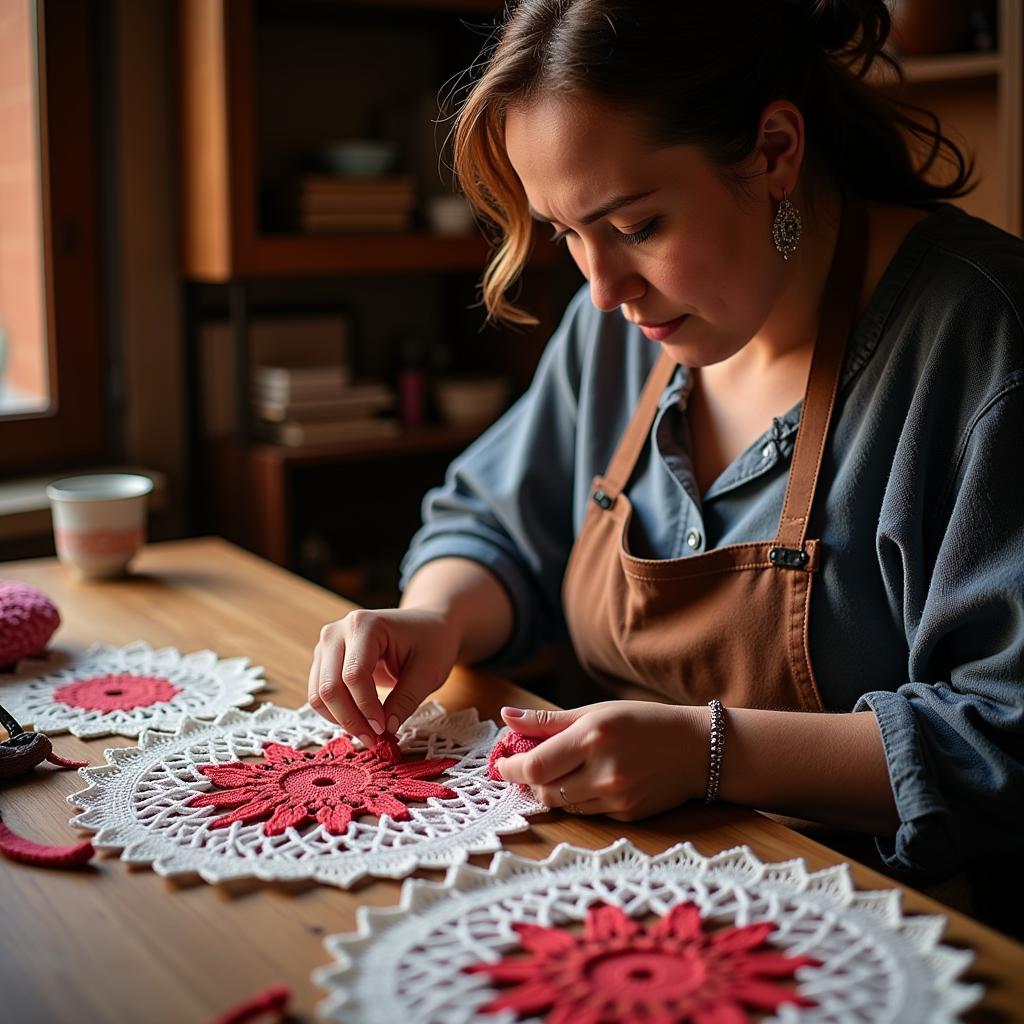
<point x="272" y="1000"/>
<point x="618" y="969"/>
<point x="331" y="787"/>
<point x="28" y="618"/>
<point x="16" y="847"/>
<point x="511" y="743"/>
<point x="65" y="762"/>
<point x="115" y="693"/>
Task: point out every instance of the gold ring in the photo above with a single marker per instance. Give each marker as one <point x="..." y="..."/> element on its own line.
<point x="566" y="806"/>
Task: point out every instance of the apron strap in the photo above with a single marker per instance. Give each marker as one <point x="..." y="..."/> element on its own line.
<point x="634" y="438"/>
<point x="839" y="309"/>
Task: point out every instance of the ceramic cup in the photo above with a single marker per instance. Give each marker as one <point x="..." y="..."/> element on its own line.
<point x="99" y="521"/>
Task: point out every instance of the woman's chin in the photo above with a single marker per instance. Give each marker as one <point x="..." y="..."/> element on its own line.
<point x="695" y="356"/>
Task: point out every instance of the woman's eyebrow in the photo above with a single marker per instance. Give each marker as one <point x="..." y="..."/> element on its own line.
<point x="603" y="210"/>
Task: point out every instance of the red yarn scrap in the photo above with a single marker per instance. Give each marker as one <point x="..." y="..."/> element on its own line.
<point x="19" y="848"/>
<point x="272" y="1000"/>
<point x="331" y="787"/>
<point x="511" y="743"/>
<point x="621" y="970"/>
<point x="65" y="762"/>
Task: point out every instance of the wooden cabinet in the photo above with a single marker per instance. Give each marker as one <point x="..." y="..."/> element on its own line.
<point x="263" y="83"/>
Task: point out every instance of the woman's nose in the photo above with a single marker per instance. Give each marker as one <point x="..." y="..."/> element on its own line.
<point x="612" y="282"/>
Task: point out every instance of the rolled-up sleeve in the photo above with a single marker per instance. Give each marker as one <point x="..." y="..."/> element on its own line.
<point x="954" y="733"/>
<point x="507" y="501"/>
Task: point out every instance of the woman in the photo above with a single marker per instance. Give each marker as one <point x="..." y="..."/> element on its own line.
<point x="761" y="255"/>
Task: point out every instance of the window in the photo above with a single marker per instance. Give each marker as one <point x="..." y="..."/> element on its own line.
<point x="51" y="394"/>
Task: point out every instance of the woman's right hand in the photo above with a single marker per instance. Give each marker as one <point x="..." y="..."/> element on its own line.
<point x="411" y="650"/>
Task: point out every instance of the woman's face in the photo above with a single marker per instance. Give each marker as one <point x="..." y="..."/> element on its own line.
<point x="656" y="231"/>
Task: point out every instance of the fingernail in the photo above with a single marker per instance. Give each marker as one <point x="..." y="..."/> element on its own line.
<point x="377" y="727"/>
<point x="393" y="723"/>
<point x="367" y="741"/>
<point x="512" y="713"/>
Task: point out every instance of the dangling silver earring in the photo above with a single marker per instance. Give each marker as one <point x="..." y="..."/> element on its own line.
<point x="786" y="228"/>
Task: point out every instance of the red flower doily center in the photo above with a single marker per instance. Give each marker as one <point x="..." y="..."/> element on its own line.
<point x="116" y="693"/>
<point x="621" y="970"/>
<point x="648" y="975"/>
<point x="324" y="781"/>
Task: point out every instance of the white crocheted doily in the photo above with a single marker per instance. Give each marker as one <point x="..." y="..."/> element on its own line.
<point x="406" y="963"/>
<point x="123" y="690"/>
<point x="139" y="802"/>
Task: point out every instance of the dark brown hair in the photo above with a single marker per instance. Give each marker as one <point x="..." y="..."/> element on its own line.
<point x="699" y="72"/>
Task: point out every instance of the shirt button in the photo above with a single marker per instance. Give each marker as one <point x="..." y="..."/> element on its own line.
<point x="768" y="450"/>
<point x="693" y="539"/>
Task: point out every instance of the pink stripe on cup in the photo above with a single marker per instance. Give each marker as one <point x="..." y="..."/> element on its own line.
<point x="99" y="542"/>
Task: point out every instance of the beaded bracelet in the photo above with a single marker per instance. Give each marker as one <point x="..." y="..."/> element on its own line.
<point x="717" y="749"/>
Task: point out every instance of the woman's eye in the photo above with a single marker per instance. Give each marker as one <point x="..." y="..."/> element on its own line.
<point x="630" y="237"/>
<point x="641" y="236"/>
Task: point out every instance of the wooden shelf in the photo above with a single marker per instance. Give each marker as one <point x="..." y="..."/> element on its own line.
<point x="253" y="489"/>
<point x="425" y="439"/>
<point x="943" y="67"/>
<point x="440" y="6"/>
<point x="223" y="237"/>
<point x="487" y="6"/>
<point x="295" y="255"/>
<point x="949" y="66"/>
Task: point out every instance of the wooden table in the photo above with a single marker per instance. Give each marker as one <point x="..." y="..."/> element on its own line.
<point x="107" y="943"/>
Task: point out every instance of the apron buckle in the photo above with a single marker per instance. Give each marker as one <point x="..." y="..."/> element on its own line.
<point x="788" y="558"/>
<point x="603" y="499"/>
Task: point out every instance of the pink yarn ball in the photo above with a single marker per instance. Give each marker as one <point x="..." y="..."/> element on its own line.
<point x="28" y="619"/>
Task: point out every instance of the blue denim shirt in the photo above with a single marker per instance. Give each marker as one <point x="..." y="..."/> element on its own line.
<point x="918" y="611"/>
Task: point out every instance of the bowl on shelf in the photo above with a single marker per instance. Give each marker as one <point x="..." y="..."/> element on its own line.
<point x="450" y="215"/>
<point x="359" y="158"/>
<point x="463" y="401"/>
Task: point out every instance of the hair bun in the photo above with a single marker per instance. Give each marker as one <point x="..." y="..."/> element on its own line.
<point x="853" y="28"/>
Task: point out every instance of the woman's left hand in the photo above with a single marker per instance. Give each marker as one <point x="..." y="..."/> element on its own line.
<point x="627" y="759"/>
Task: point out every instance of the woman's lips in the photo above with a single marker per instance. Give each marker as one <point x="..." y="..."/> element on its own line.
<point x="659" y="332"/>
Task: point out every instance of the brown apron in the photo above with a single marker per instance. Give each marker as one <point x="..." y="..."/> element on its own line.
<point x="730" y="623"/>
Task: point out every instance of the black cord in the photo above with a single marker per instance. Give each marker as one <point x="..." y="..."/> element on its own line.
<point x="8" y="722"/>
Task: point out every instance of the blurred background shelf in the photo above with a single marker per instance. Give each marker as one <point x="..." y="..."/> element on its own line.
<point x="950" y="66"/>
<point x="296" y="255"/>
<point x="408" y="442"/>
<point x="977" y="94"/>
<point x="350" y="502"/>
<point x="267" y="89"/>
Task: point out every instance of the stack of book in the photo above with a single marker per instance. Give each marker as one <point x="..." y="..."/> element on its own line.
<point x="321" y="202"/>
<point x="312" y="405"/>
